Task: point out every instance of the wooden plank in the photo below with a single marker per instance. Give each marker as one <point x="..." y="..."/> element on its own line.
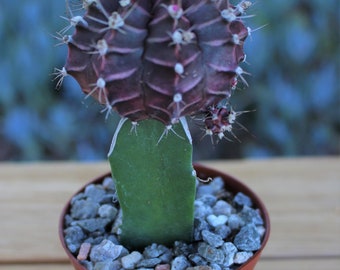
<point x="299" y="264"/>
<point x="303" y="199"/>
<point x="305" y="219"/>
<point x="36" y="267"/>
<point x="32" y="197"/>
<point x="277" y="264"/>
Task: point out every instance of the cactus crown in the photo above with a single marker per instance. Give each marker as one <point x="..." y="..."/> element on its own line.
<point x="159" y="59"/>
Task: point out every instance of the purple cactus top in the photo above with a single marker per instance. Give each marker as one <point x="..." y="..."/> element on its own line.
<point x="159" y="59"/>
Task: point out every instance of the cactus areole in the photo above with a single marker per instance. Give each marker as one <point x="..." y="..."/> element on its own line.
<point x="158" y="59"/>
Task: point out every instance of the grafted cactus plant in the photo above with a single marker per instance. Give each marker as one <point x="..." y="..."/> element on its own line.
<point x="155" y="62"/>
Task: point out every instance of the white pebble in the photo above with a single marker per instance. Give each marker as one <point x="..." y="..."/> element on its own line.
<point x="217" y="184"/>
<point x="216" y="221"/>
<point x="108" y="183"/>
<point x="242" y="257"/>
<point x="222" y="208"/>
<point x="234" y="222"/>
<point x="202" y="210"/>
<point x="261" y="230"/>
<point x="106" y="250"/>
<point x="130" y="261"/>
<point x="107" y="211"/>
<point x="229" y="250"/>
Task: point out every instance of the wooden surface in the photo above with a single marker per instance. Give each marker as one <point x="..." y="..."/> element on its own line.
<point x="302" y="196"/>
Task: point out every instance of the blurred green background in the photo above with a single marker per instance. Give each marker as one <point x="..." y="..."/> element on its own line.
<point x="294" y="90"/>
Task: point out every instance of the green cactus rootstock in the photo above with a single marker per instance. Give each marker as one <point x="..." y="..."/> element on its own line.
<point x="153" y="171"/>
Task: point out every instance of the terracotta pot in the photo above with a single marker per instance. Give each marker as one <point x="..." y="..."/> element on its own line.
<point x="231" y="184"/>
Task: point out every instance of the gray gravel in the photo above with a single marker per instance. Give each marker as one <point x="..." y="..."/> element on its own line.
<point x="227" y="231"/>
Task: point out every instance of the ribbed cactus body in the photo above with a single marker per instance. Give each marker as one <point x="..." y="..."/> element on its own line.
<point x="158" y="59"/>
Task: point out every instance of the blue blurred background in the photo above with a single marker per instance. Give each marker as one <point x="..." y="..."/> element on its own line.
<point x="294" y="94"/>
